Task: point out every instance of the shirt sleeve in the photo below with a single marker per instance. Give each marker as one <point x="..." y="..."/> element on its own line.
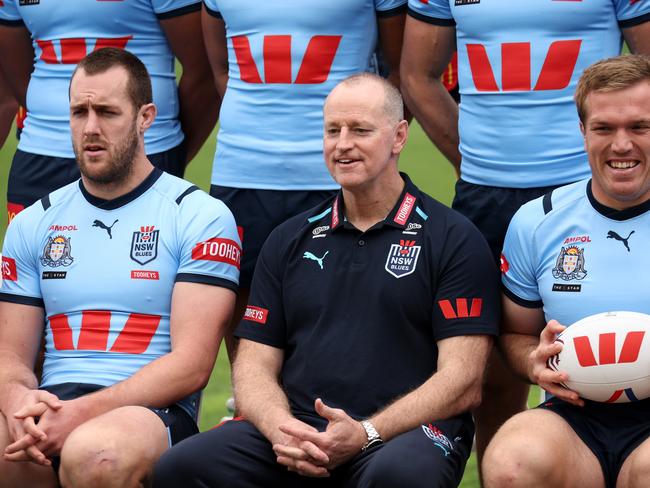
<point x="9" y="14"/>
<point x="386" y="8"/>
<point x="518" y="266"/>
<point x="632" y="12"/>
<point x="173" y="8"/>
<point x="264" y="318"/>
<point x="210" y="249"/>
<point x="467" y="297"/>
<point x="432" y="11"/>
<point x="20" y="270"/>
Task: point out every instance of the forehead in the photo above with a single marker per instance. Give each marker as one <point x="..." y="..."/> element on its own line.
<point x="359" y="102"/>
<point x="630" y="102"/>
<point x="109" y="86"/>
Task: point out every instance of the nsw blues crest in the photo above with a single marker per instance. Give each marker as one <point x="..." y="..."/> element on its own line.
<point x="57" y="252"/>
<point x="144" y="245"/>
<point x="402" y="258"/>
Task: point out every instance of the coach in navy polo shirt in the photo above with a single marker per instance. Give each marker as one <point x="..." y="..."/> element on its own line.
<point x="367" y="331"/>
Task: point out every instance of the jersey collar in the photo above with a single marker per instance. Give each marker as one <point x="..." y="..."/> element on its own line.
<point x="124" y="199"/>
<point x="612" y="213"/>
<point x="397" y="217"/>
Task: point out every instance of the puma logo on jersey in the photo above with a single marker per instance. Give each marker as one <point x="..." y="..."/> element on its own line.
<point x="102" y="225"/>
<point x="308" y="255"/>
<point x="613" y="235"/>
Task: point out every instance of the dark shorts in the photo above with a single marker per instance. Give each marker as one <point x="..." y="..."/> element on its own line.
<point x="490" y="208"/>
<point x="258" y="212"/>
<point x="32" y="176"/>
<point x="611" y="431"/>
<point x="178" y="422"/>
<point x="236" y="450"/>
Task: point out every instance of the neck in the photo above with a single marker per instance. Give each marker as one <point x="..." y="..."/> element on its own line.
<point x="141" y="168"/>
<point x="364" y="208"/>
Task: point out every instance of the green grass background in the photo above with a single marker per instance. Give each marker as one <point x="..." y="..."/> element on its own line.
<point x="421" y="160"/>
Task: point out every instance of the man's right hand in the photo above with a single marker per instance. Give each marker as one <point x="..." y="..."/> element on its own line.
<point x="540" y="374"/>
<point x="23" y="429"/>
<point x="297" y="455"/>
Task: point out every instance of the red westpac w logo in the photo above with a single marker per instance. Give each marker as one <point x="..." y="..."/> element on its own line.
<point x="607" y="349"/>
<point x="314" y="68"/>
<point x="74" y="50"/>
<point x="95" y="326"/>
<point x="462" y="310"/>
<point x="556" y="72"/>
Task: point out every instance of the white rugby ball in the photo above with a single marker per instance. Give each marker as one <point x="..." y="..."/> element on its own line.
<point x="607" y="357"/>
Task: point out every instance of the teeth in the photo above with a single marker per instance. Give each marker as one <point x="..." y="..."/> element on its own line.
<point x="622" y="164"/>
<point x="345" y="160"/>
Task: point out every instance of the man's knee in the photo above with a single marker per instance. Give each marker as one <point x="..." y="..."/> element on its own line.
<point x="520" y="456"/>
<point x="89" y="460"/>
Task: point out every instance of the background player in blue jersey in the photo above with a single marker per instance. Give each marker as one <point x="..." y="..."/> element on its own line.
<point x="132" y="274"/>
<point x="563" y="442"/>
<point x="49" y="37"/>
<point x="515" y="135"/>
<point x="274" y="64"/>
<point x="369" y="324"/>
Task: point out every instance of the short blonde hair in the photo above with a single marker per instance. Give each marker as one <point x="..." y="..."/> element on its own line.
<point x="610" y="75"/>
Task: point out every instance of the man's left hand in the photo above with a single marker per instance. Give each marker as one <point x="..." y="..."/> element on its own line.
<point x="343" y="438"/>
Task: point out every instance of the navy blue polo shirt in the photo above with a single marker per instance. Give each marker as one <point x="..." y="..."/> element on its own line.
<point x="358" y="314"/>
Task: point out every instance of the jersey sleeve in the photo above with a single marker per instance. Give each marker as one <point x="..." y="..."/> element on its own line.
<point x="210" y="249"/>
<point x="632" y="12"/>
<point x="433" y="11"/>
<point x="20" y="279"/>
<point x="467" y="295"/>
<point x="165" y="9"/>
<point x="264" y="316"/>
<point x="9" y="14"/>
<point x="386" y="8"/>
<point x="518" y="266"/>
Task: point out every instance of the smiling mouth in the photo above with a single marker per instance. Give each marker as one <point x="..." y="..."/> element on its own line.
<point x="346" y="161"/>
<point x="623" y="164"/>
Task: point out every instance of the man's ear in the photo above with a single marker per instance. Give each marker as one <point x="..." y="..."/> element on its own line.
<point x="401" y="136"/>
<point x="146" y="116"/>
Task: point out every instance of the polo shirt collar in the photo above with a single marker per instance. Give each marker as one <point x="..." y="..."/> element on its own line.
<point x="397" y="217"/>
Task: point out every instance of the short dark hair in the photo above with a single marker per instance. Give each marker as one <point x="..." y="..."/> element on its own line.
<point x="138" y="86"/>
<point x="609" y="75"/>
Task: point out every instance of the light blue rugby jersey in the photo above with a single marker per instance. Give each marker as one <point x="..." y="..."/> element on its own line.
<point x="519" y="63"/>
<point x="63" y="32"/>
<point x="574" y="257"/>
<point x="107" y="296"/>
<point x="284" y="58"/>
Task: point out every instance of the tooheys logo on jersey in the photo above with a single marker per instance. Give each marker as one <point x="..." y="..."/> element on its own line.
<point x="256" y="314"/>
<point x="74" y="50"/>
<point x="276" y="53"/>
<point x="402" y="258"/>
<point x="134" y="336"/>
<point x="144" y="245"/>
<point x="218" y="249"/>
<point x="516" y="74"/>
<point x="9" y="271"/>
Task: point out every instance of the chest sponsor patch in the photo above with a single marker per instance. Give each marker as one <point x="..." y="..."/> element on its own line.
<point x="218" y="249"/>
<point x="24" y="3"/>
<point x="402" y="258"/>
<point x="256" y="314"/>
<point x="459" y="3"/>
<point x="54" y="275"/>
<point x="405" y="209"/>
<point x="144" y="244"/>
<point x="141" y="274"/>
<point x="57" y="252"/>
<point x="9" y="271"/>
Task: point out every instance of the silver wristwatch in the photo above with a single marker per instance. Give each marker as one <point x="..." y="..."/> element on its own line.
<point x="374" y="439"/>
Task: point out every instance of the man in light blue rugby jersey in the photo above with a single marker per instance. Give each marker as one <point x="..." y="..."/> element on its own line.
<point x="132" y="274"/>
<point x="515" y="136"/>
